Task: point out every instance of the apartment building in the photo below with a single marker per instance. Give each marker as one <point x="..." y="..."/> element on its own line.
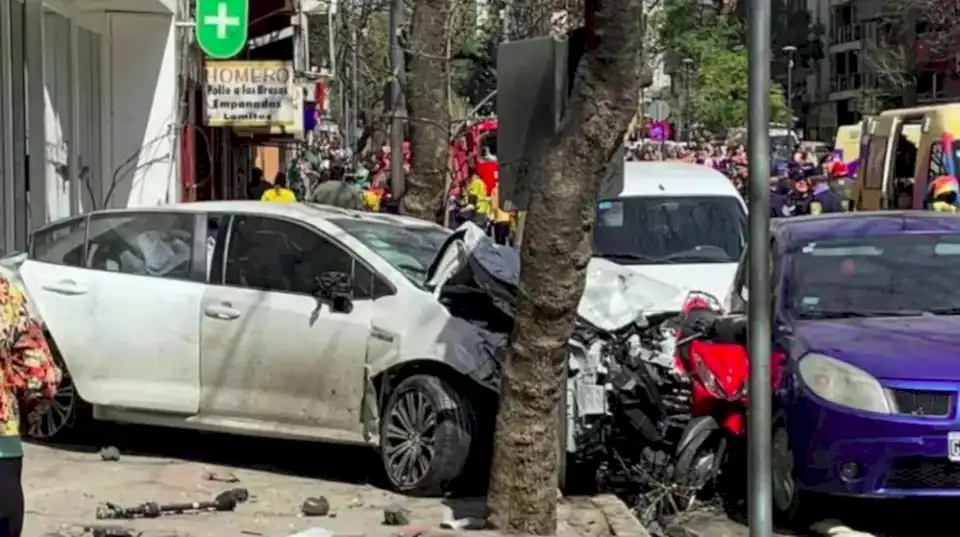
<point x="843" y="85"/>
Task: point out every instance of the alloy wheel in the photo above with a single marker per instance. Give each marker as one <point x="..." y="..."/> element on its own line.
<point x="784" y="482"/>
<point x="410" y="438"/>
<point x="52" y="416"/>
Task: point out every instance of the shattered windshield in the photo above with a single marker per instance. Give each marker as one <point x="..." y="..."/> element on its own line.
<point x="877" y="276"/>
<point x="411" y="249"/>
<point x="670" y="230"/>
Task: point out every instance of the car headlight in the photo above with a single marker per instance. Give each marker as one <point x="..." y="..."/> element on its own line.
<point x="843" y="384"/>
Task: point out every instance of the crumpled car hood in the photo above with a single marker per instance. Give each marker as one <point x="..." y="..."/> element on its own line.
<point x="614" y="295"/>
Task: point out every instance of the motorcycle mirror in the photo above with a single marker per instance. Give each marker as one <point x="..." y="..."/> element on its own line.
<point x="731" y="329"/>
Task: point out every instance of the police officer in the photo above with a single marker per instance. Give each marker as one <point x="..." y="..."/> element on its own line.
<point x="780" y="192"/>
<point x="823" y="199"/>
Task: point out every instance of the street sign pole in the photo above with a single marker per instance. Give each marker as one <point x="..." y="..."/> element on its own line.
<point x="221" y="27"/>
<point x="759" y="451"/>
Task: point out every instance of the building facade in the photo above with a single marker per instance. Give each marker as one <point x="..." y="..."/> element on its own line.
<point x="844" y="83"/>
<point x="90" y="107"/>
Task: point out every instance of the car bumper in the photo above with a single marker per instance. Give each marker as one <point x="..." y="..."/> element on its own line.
<point x="839" y="451"/>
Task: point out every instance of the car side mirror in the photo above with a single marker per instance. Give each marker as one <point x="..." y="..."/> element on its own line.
<point x="335" y="290"/>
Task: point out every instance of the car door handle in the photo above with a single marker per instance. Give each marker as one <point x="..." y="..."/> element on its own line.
<point x="65" y="287"/>
<point x="221" y="311"/>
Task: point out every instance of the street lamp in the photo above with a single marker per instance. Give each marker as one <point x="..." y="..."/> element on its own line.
<point x="687" y="66"/>
<point x="789" y="51"/>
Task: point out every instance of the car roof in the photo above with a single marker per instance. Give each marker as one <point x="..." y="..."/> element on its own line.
<point x="794" y="231"/>
<point x="671" y="178"/>
<point x="297" y="211"/>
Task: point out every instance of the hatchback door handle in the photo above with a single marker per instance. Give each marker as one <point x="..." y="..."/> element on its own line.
<point x="65" y="287"/>
<point x="222" y="311"/>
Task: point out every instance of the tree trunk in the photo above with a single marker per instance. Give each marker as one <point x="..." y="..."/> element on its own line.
<point x="556" y="248"/>
<point x="427" y="110"/>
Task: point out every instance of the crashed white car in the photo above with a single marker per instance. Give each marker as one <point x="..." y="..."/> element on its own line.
<point x="280" y="320"/>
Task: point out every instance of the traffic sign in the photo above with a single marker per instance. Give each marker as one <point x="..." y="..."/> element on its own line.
<point x="221" y="27"/>
<point x="658" y="131"/>
<point x="659" y="110"/>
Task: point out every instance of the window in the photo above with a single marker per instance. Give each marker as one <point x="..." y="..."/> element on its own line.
<point x="875" y="276"/>
<point x="277" y="255"/>
<point x="61" y="243"/>
<point x="410" y="249"/>
<point x="675" y="230"/>
<point x="144" y="244"/>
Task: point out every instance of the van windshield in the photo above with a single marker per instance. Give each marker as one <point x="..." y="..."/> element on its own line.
<point x="670" y="230"/>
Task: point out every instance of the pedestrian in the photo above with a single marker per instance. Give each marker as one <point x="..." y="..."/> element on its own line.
<point x="823" y="199"/>
<point x="278" y="191"/>
<point x="334" y="190"/>
<point x="28" y="374"/>
<point x="257" y="185"/>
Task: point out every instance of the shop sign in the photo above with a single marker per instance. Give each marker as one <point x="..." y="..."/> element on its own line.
<point x="253" y="94"/>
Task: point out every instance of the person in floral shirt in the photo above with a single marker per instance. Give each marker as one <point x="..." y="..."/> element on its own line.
<point x="28" y="374"/>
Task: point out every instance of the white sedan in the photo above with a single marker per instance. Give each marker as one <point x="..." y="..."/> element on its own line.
<point x="269" y="319"/>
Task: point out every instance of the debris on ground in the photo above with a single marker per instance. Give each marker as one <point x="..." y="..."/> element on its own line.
<point x="109" y="454"/>
<point x="225" y="501"/>
<point x="315" y="506"/>
<point x="468" y="523"/>
<point x="395" y="515"/>
<point x="221" y="478"/>
<point x="313" y="532"/>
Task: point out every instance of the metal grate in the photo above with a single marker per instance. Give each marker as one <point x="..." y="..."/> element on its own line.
<point x="923" y="473"/>
<point x="922" y="403"/>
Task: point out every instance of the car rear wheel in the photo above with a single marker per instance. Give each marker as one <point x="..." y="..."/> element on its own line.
<point x="56" y="419"/>
<point x="425" y="435"/>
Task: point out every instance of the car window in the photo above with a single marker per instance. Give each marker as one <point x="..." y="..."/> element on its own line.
<point x="278" y="255"/>
<point x="146" y="244"/>
<point x="655" y="230"/>
<point x="61" y="243"/>
<point x="410" y="249"/>
<point x="875" y="276"/>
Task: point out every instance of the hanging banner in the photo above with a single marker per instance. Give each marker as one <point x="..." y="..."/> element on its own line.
<point x="253" y="94"/>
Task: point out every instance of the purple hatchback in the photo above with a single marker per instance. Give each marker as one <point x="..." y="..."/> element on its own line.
<point x="867" y="333"/>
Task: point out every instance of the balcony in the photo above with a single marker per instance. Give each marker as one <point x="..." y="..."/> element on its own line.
<point x="846" y="34"/>
<point x="847" y="86"/>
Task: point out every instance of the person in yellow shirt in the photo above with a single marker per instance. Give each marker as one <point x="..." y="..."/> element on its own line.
<point x="502" y="219"/>
<point x="279" y="191"/>
<point x="476" y="202"/>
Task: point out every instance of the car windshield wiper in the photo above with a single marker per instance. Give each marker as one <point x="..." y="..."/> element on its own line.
<point x="629" y="256"/>
<point x="848" y="314"/>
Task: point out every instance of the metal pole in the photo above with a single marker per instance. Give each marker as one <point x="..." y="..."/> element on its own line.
<point x="760" y="499"/>
<point x="397" y="179"/>
<point x="686" y="104"/>
<point x="355" y="95"/>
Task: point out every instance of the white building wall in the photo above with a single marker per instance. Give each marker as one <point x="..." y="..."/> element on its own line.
<point x="121" y="94"/>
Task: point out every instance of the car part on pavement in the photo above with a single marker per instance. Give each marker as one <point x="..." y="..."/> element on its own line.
<point x="315" y="506"/>
<point x="109" y="454"/>
<point x="395" y="515"/>
<point x="225" y="501"/>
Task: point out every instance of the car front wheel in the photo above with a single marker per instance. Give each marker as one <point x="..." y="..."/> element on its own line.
<point x="425" y="435"/>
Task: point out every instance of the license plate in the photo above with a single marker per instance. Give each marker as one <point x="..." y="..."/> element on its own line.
<point x="953" y="446"/>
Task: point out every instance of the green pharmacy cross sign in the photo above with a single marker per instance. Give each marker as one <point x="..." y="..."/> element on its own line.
<point x="221" y="27"/>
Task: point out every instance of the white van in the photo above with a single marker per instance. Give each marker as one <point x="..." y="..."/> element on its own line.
<point x="683" y="224"/>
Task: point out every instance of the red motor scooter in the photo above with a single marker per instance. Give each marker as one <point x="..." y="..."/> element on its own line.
<point x="718" y="370"/>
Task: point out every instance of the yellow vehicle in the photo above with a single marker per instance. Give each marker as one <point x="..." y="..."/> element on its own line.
<point x="902" y="152"/>
<point x="847" y="141"/>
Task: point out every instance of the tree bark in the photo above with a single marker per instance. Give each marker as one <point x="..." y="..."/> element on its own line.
<point x="428" y="116"/>
<point x="556" y="249"/>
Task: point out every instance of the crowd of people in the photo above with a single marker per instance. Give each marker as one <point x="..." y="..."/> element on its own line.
<point x="803" y="183"/>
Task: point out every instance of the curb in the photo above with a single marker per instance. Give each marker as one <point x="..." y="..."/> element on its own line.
<point x="619" y="517"/>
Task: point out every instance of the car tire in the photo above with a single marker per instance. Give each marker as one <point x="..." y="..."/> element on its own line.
<point x="792" y="507"/>
<point x="425" y="435"/>
<point x="61" y="419"/>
